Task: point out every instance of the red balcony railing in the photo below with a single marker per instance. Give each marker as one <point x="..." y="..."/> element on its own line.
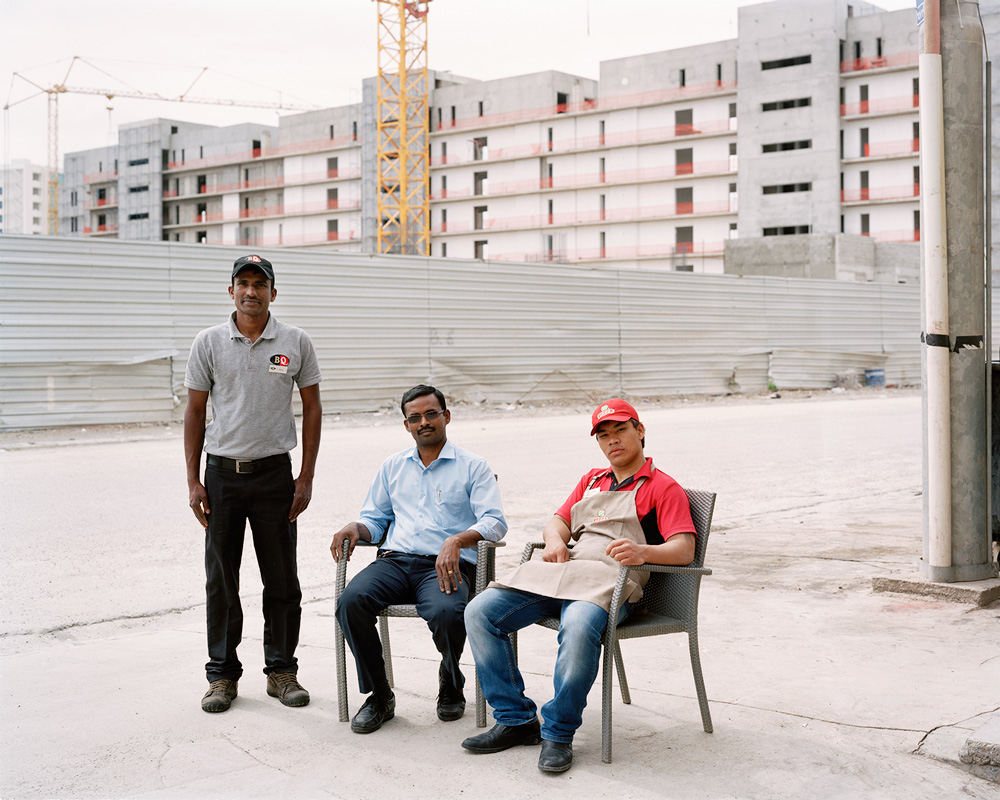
<point x="881" y="106"/>
<point x="896" y="148"/>
<point x="664" y="251"/>
<point x="904" y="192"/>
<point x="895" y="60"/>
<point x="616" y="101"/>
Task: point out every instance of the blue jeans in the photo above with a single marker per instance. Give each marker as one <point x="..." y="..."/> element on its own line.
<point x="494" y="613"/>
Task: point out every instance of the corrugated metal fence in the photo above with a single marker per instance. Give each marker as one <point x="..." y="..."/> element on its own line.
<point x="99" y="331"/>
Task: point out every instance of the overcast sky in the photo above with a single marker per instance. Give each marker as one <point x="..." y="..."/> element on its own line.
<point x="305" y="51"/>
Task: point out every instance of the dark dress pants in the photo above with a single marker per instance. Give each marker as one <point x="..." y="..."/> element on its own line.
<point x="263" y="499"/>
<point x="397" y="578"/>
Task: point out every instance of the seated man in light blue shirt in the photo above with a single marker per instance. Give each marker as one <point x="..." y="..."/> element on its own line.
<point x="426" y="504"/>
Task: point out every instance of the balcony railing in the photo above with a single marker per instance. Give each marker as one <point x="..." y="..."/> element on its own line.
<point x="664" y="251"/>
<point x="905" y="192"/>
<point x="616" y="139"/>
<point x="884" y="105"/>
<point x="101" y="177"/>
<point x="634" y="214"/>
<point x="604" y="103"/>
<point x="896" y="148"/>
<point x="298" y="240"/>
<point x="880" y="62"/>
<point x="249" y="155"/>
<point x="596" y="178"/>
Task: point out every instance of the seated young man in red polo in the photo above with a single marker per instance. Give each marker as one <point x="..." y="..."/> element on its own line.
<point x="626" y="513"/>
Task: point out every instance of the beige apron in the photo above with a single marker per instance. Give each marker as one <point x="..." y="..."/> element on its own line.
<point x="596" y="520"/>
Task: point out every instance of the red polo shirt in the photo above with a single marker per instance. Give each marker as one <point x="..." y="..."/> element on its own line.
<point x="661" y="503"/>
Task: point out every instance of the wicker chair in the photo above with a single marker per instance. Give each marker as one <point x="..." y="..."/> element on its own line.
<point x="669" y="605"/>
<point x="485" y="572"/>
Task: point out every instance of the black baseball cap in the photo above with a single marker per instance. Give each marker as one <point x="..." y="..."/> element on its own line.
<point x="255" y="262"/>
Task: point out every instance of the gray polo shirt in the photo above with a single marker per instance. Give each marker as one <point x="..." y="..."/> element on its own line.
<point x="251" y="386"/>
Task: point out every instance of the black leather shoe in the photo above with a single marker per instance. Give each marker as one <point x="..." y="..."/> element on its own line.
<point x="555" y="756"/>
<point x="451" y="701"/>
<point x="501" y="737"/>
<point x="373" y="713"/>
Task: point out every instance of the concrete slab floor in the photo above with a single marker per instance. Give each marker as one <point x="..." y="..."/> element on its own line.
<point x="819" y="687"/>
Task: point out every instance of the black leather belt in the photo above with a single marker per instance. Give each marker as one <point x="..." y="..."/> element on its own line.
<point x="244" y="466"/>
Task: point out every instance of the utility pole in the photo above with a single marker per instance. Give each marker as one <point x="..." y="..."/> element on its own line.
<point x="954" y="281"/>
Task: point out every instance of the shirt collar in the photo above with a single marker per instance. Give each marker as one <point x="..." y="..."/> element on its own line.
<point x="645" y="471"/>
<point x="269" y="329"/>
<point x="447" y="452"/>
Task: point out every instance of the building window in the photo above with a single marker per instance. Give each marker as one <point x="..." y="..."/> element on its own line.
<point x="562" y="101"/>
<point x="684" y="200"/>
<point x="72" y="225"/>
<point x="444" y="249"/>
<point x="785" y="188"/>
<point x="786" y="62"/>
<point x="138" y="162"/>
<point x="332" y="201"/>
<point x="479" y="218"/>
<point x="779" y="105"/>
<point x="802" y="144"/>
<point x="331" y="167"/>
<point x="480" y="108"/>
<point x="480" y="148"/>
<point x="36" y="176"/>
<point x="202" y="237"/>
<point x="684" y="161"/>
<point x="683" y="77"/>
<point x="865" y="222"/>
<point x="36" y="191"/>
<point x="332" y="230"/>
<point x="479" y="183"/>
<point x="479" y="249"/>
<point x="786" y="230"/>
<point x="137" y="189"/>
<point x="73" y="198"/>
<point x="138" y="216"/>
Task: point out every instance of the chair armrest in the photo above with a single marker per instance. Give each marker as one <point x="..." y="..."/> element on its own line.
<point x="530" y="548"/>
<point x="671" y="568"/>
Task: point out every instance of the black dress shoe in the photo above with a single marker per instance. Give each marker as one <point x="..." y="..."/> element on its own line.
<point x="555" y="756"/>
<point x="376" y="710"/>
<point x="502" y="737"/>
<point x="451" y="700"/>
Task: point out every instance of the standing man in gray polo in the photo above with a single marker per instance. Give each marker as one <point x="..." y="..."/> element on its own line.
<point x="248" y="366"/>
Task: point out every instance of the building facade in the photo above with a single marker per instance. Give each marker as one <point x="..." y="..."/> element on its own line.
<point x="805" y="124"/>
<point x="22" y="197"/>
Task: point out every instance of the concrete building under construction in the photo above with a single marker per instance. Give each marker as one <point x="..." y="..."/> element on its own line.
<point x="770" y="153"/>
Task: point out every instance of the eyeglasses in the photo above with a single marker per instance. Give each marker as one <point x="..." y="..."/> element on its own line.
<point x="430" y="416"/>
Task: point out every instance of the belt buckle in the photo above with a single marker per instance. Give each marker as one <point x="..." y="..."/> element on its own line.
<point x="240" y="470"/>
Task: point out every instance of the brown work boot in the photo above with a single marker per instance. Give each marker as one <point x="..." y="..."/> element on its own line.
<point x="286" y="688"/>
<point x="220" y="696"/>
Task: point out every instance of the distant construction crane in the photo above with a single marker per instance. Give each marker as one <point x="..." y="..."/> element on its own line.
<point x="53" y="127"/>
<point x="403" y="127"/>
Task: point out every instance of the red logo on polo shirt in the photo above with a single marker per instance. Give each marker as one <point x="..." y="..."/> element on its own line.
<point x="281" y="361"/>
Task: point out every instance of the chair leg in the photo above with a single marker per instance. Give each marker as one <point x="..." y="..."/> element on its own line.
<point x="383" y="625"/>
<point x="480" y="703"/>
<point x="606" y="704"/>
<point x="622" y="680"/>
<point x="699" y="682"/>
<point x="338" y="646"/>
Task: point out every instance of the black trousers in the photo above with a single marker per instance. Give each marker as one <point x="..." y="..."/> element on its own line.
<point x="397" y="578"/>
<point x="263" y="499"/>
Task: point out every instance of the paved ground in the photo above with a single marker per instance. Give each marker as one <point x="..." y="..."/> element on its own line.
<point x="818" y="687"/>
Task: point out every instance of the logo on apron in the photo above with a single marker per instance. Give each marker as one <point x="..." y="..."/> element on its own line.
<point x="602" y="516"/>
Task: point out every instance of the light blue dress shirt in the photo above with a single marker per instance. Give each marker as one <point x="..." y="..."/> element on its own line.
<point x="422" y="506"/>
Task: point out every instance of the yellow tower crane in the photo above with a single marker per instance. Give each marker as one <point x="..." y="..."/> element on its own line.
<point x="55" y="90"/>
<point x="402" y="124"/>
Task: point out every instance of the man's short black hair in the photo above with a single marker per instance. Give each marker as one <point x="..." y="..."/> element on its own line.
<point x="420" y="391"/>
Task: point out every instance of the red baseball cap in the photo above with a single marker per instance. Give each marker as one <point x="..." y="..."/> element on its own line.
<point x="615" y="409"/>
